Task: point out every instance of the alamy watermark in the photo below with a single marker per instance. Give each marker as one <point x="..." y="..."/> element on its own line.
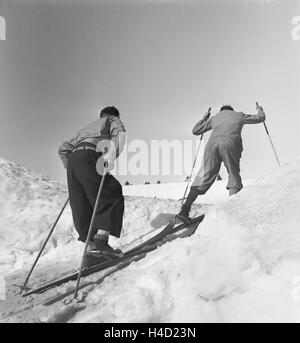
<point x="296" y="28"/>
<point x="157" y="157"/>
<point x="296" y="288"/>
<point x="2" y="288"/>
<point x="2" y="28"/>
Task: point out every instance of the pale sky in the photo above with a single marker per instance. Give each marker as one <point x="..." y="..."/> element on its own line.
<point x="161" y="63"/>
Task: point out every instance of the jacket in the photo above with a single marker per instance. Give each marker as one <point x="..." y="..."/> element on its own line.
<point x="106" y="128"/>
<point x="228" y="124"/>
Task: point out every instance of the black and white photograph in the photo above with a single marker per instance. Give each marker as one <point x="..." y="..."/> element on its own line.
<point x="149" y="164"/>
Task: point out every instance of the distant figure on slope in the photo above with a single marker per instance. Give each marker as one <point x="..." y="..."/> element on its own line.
<point x="79" y="155"/>
<point x="224" y="145"/>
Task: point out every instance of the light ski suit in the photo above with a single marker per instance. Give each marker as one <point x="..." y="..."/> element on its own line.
<point x="224" y="145"/>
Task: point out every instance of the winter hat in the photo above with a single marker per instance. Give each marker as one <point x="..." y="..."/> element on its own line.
<point x="226" y="107"/>
<point x="110" y="110"/>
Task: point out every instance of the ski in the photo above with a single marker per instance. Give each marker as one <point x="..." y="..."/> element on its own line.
<point x="140" y="249"/>
<point x="61" y="296"/>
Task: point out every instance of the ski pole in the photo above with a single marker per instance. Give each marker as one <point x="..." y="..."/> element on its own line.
<point x="194" y="163"/>
<point x="44" y="245"/>
<point x="267" y="131"/>
<point x="90" y="229"/>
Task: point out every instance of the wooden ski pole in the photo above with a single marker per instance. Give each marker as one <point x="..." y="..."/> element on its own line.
<point x="196" y="157"/>
<point x="90" y="229"/>
<point x="270" y="139"/>
<point x="44" y="245"/>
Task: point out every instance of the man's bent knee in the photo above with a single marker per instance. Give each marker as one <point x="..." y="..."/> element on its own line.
<point x="198" y="190"/>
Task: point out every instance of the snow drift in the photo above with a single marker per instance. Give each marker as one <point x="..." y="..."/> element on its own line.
<point x="241" y="265"/>
<point x="26" y="200"/>
<point x="30" y="203"/>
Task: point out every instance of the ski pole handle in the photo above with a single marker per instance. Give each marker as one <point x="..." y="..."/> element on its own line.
<point x="258" y="107"/>
<point x="269" y="136"/>
<point x="207" y="115"/>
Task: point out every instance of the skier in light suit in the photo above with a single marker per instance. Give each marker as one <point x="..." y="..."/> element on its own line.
<point x="224" y="145"/>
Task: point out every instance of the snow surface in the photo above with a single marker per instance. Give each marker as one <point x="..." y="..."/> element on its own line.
<point x="241" y="265"/>
<point x="216" y="193"/>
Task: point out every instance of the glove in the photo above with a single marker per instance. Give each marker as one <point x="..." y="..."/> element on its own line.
<point x="107" y="162"/>
<point x="207" y="114"/>
<point x="258" y="107"/>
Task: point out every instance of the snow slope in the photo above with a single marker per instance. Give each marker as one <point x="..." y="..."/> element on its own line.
<point x="29" y="204"/>
<point x="215" y="194"/>
<point x="241" y="265"/>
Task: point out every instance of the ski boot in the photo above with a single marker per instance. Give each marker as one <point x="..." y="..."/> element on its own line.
<point x="102" y="248"/>
<point x="90" y="260"/>
<point x="183" y="215"/>
<point x="100" y="251"/>
<point x="98" y="256"/>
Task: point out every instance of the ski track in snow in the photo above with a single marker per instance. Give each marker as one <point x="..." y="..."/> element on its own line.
<point x="241" y="265"/>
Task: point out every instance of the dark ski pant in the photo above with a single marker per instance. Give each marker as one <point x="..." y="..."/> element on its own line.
<point x="218" y="150"/>
<point x="83" y="185"/>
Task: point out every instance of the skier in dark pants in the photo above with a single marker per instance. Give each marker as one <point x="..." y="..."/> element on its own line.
<point x="80" y="155"/>
<point x="224" y="145"/>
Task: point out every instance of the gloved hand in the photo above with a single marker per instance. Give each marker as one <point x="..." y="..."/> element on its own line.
<point x="107" y="158"/>
<point x="103" y="146"/>
<point x="105" y="161"/>
<point x="207" y="114"/>
<point x="258" y="107"/>
<point x="109" y="161"/>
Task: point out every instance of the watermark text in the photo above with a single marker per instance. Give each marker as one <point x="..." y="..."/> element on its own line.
<point x="2" y="28"/>
<point x="2" y="288"/>
<point x="296" y="28"/>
